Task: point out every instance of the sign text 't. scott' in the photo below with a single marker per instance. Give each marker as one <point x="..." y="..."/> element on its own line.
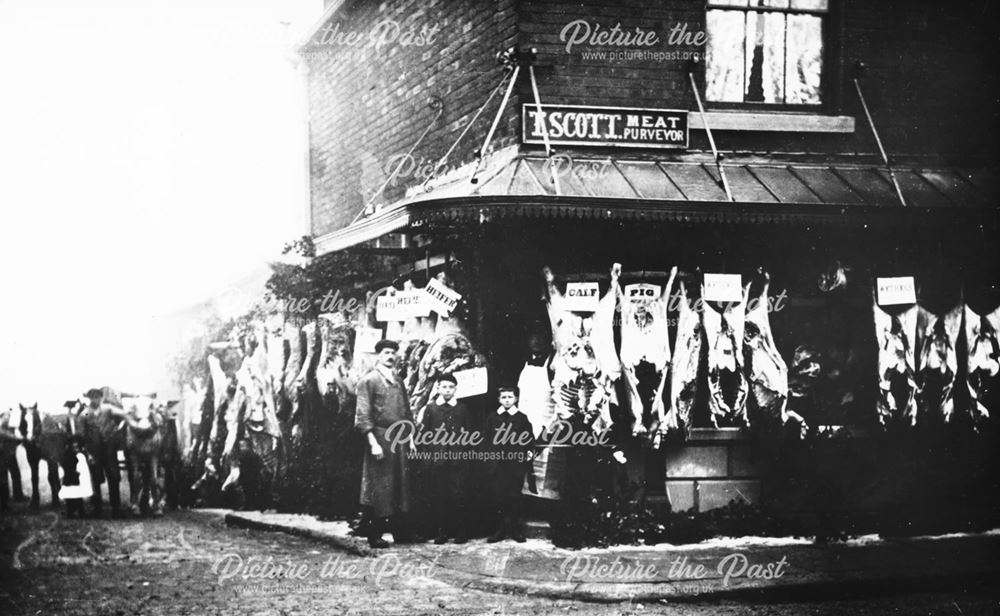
<point x="605" y="126"/>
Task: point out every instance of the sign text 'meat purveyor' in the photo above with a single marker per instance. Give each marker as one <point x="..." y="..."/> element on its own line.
<point x="605" y="126"/>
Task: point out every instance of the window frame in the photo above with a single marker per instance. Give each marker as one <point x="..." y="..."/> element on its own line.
<point x="829" y="77"/>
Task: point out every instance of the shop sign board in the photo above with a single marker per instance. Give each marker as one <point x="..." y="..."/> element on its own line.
<point x="897" y="290"/>
<point x="582" y="296"/>
<point x="365" y="339"/>
<point x="471" y="382"/>
<point x="723" y="288"/>
<point x="624" y="127"/>
<point x="441" y="299"/>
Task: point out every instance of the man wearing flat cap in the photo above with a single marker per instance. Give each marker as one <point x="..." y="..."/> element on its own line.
<point x="382" y="402"/>
<point x="104" y="436"/>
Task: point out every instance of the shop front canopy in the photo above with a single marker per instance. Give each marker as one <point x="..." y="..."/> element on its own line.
<point x="766" y="191"/>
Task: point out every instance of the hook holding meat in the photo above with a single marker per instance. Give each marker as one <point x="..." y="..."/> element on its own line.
<point x="834" y="278"/>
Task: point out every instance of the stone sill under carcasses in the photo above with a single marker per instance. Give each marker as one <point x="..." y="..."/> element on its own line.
<point x="717" y="465"/>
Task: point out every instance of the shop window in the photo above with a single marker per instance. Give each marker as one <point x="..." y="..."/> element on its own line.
<point x="765" y="51"/>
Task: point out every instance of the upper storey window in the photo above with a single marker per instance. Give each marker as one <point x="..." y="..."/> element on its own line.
<point x="765" y="51"/>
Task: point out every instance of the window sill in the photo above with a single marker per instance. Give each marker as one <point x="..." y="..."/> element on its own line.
<point x="772" y="122"/>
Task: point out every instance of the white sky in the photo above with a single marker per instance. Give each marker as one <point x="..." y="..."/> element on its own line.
<point x="150" y="153"/>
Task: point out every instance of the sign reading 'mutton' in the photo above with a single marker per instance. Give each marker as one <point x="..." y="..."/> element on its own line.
<point x="605" y="126"/>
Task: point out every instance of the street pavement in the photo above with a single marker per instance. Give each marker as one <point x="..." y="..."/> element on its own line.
<point x="755" y="568"/>
<point x="194" y="562"/>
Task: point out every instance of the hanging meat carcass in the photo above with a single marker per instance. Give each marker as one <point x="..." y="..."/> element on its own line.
<point x="834" y="278"/>
<point x="416" y="333"/>
<point x="586" y="363"/>
<point x="193" y="397"/>
<point x="684" y="369"/>
<point x="981" y="336"/>
<point x="293" y="365"/>
<point x="937" y="362"/>
<point x="223" y="390"/>
<point x="727" y="383"/>
<point x="305" y="383"/>
<point x="253" y="376"/>
<point x="766" y="371"/>
<point x="277" y="355"/>
<point x="803" y="381"/>
<point x="646" y="339"/>
<point x="433" y="345"/>
<point x="896" y="336"/>
<point x="334" y="368"/>
<point x="446" y="355"/>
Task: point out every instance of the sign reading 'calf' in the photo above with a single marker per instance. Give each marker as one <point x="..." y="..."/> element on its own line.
<point x="625" y="127"/>
<point x="582" y="296"/>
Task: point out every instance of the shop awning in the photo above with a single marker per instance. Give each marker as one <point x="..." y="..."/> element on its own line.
<point x="685" y="191"/>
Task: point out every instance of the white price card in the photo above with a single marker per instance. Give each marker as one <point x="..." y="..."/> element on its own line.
<point x="894" y="291"/>
<point x="365" y="339"/>
<point x="723" y="288"/>
<point x="471" y="382"/>
<point x="413" y="303"/>
<point x="387" y="309"/>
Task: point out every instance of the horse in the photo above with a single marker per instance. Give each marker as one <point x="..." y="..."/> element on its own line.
<point x="43" y="437"/>
<point x="144" y="448"/>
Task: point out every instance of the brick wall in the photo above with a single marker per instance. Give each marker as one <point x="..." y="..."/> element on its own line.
<point x="368" y="104"/>
<point x="931" y="83"/>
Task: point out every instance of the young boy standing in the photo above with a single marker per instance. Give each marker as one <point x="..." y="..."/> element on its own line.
<point x="447" y="419"/>
<point x="512" y="441"/>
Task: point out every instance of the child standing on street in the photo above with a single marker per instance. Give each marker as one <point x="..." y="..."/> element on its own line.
<point x="447" y="469"/>
<point x="76" y="481"/>
<point x="512" y="441"/>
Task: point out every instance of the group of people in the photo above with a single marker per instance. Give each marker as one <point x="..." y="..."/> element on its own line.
<point x="91" y="456"/>
<point x="435" y="453"/>
<point x="85" y="447"/>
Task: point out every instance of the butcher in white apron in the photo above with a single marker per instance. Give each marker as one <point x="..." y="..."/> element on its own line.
<point x="536" y="388"/>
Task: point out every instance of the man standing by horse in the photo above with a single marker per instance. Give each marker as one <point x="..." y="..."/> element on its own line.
<point x="104" y="429"/>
